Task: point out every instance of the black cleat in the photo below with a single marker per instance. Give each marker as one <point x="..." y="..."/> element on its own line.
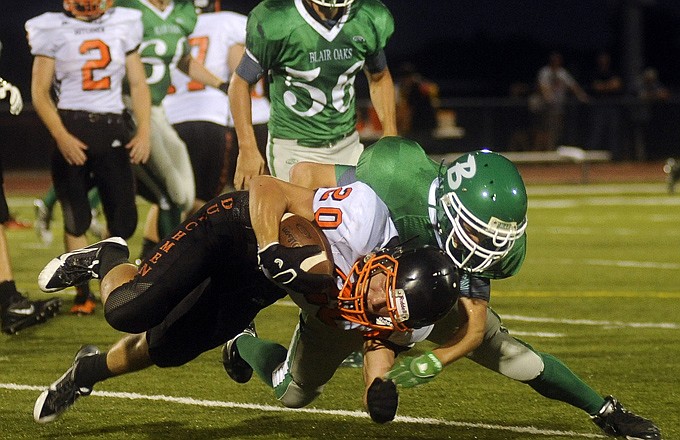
<point x="75" y="267"/>
<point x="617" y="421"/>
<point x="63" y="393"/>
<point x="25" y="313"/>
<point x="672" y="169"/>
<point x="238" y="369"/>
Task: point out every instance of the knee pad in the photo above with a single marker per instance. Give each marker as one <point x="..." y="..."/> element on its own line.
<point x="289" y="392"/>
<point x="123" y="317"/>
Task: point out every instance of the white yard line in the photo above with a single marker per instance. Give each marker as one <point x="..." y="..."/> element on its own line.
<point x="330" y="412"/>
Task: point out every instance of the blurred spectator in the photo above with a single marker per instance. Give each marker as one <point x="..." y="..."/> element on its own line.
<point x="649" y="88"/>
<point x="606" y="88"/>
<point x="417" y="103"/>
<point x="650" y="91"/>
<point x="553" y="82"/>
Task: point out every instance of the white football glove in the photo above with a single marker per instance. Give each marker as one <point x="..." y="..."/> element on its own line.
<point x="16" y="104"/>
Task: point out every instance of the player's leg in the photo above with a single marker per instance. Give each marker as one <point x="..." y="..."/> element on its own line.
<point x="543" y="372"/>
<point x="17" y="312"/>
<point x="71" y="184"/>
<point x="89" y="367"/>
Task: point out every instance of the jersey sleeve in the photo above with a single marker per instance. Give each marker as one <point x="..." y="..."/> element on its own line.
<point x="43" y="34"/>
<point x="133" y="19"/>
<point x="354" y="220"/>
<point x="264" y="38"/>
<point x="382" y="22"/>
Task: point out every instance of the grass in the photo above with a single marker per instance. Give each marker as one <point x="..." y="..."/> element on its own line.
<point x="600" y="290"/>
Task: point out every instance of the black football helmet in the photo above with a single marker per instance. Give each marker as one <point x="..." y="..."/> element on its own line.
<point x="207" y="6"/>
<point x="422" y="285"/>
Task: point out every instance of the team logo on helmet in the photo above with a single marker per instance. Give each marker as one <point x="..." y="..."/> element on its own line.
<point x="461" y="170"/>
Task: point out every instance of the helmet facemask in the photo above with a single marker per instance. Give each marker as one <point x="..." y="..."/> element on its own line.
<point x="87" y="9"/>
<point x="472" y="243"/>
<point x="203" y="6"/>
<point x="353" y="297"/>
<point x="333" y="3"/>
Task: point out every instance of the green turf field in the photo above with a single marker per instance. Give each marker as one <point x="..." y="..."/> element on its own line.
<point x="600" y="289"/>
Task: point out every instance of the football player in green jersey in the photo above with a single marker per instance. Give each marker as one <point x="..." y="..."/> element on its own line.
<point x="167" y="179"/>
<point x="312" y="51"/>
<point x="475" y="209"/>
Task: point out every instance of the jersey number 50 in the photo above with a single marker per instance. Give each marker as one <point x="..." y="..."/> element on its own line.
<point x="301" y="80"/>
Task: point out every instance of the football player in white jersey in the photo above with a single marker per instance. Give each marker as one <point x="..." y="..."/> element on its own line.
<point x="17" y="312"/>
<point x="209" y="278"/>
<point x="83" y="54"/>
<point x="200" y="114"/>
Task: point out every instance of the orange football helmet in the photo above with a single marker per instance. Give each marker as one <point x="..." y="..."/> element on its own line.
<point x="421" y="286"/>
<point x="89" y="9"/>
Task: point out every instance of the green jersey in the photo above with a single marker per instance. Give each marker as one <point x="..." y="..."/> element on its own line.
<point x="164" y="42"/>
<point x="402" y="175"/>
<point x="313" y="68"/>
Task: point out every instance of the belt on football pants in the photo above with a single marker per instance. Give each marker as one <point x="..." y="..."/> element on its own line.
<point x="80" y="115"/>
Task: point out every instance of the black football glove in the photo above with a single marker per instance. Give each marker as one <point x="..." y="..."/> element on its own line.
<point x="383" y="400"/>
<point x="282" y="265"/>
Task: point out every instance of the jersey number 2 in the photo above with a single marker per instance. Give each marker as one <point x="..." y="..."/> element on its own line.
<point x="89" y="83"/>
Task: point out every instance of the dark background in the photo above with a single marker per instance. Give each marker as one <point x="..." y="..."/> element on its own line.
<point x="474" y="50"/>
<point x="471" y="48"/>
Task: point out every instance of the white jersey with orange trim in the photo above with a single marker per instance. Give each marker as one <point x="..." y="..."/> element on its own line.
<point x="188" y="100"/>
<point x="90" y="56"/>
<point x="356" y="222"/>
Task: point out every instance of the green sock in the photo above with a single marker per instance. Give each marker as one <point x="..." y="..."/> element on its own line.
<point x="558" y="382"/>
<point x="93" y="198"/>
<point x="50" y="199"/>
<point x="263" y="356"/>
<point x="168" y="219"/>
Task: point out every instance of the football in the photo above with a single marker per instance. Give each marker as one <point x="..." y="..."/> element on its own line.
<point x="296" y="231"/>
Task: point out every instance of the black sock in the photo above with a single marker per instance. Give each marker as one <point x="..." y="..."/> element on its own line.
<point x="92" y="369"/>
<point x="83" y="293"/>
<point x="110" y="257"/>
<point x="8" y="294"/>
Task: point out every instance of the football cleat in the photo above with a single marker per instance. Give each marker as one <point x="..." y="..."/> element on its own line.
<point x="86" y="308"/>
<point x="75" y="267"/>
<point x="672" y="169"/>
<point x="238" y="369"/>
<point x="64" y="392"/>
<point x="43" y="218"/>
<point x="25" y="313"/>
<point x="616" y="421"/>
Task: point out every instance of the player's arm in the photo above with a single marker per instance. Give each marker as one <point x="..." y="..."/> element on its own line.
<point x="198" y="72"/>
<point x="270" y="198"/>
<point x="250" y="162"/>
<point x="380" y="396"/>
<point x="41" y="83"/>
<point x="313" y="175"/>
<point x="469" y="335"/>
<point x="412" y="371"/>
<point x="140" y="144"/>
<point x="381" y="88"/>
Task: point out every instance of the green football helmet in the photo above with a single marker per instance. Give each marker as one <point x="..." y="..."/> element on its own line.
<point x="482" y="207"/>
